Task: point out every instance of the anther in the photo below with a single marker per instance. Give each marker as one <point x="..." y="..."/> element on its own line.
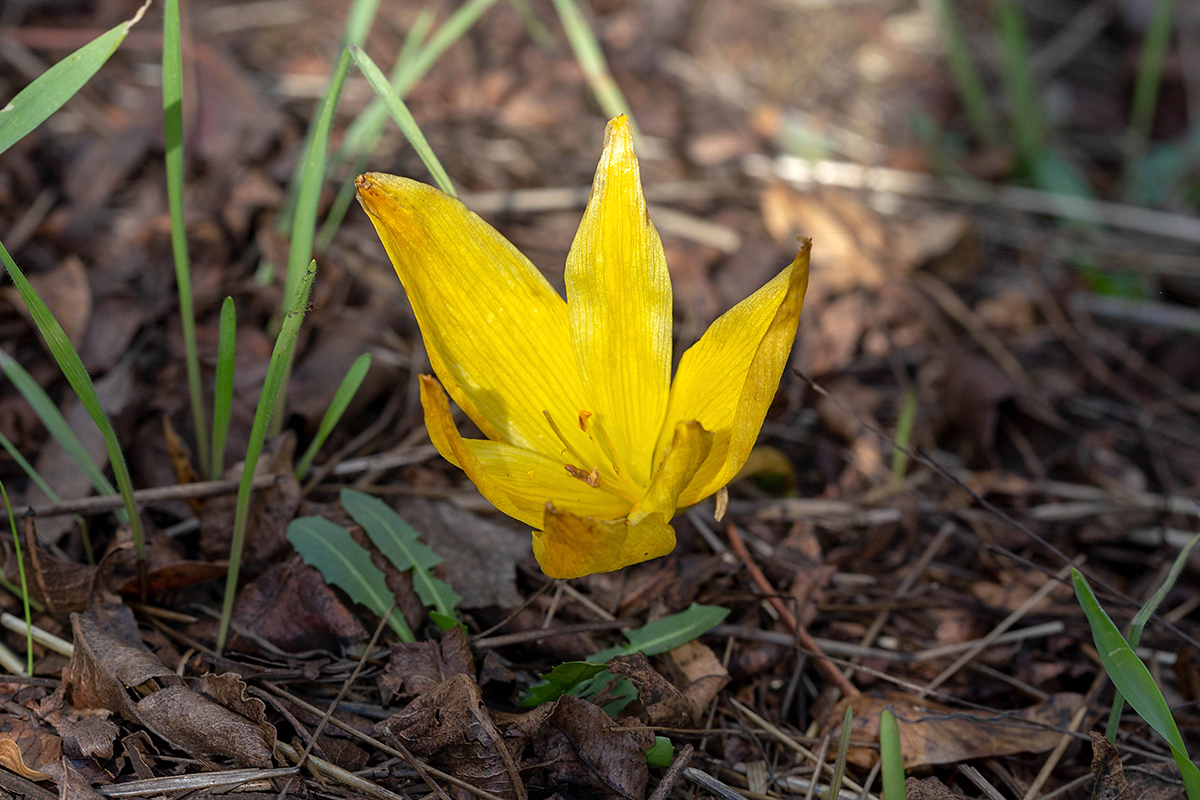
<point x="567" y="445"/>
<point x="592" y="478"/>
<point x="584" y="416"/>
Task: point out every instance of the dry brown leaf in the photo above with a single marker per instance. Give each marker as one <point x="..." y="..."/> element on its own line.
<point x="292" y="607"/>
<point x="698" y="670"/>
<point x="450" y="726"/>
<point x="582" y="746"/>
<point x="414" y="668"/>
<point x="932" y="733"/>
<point x="25" y="750"/>
<point x="65" y="292"/>
<point x="1106" y="769"/>
<point x="63" y="586"/>
<point x="662" y="702"/>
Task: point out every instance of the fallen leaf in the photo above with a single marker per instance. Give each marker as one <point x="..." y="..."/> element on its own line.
<point x="63" y="586"/>
<point x="700" y="673"/>
<point x="25" y="750"/>
<point x="414" y="668"/>
<point x="662" y="702"/>
<point x="1106" y="769"/>
<point x="450" y="726"/>
<point x="582" y="746"/>
<point x="65" y="292"/>
<point x="932" y="733"/>
<point x="292" y="607"/>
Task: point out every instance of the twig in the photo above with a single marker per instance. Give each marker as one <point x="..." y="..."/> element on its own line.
<point x="706" y="781"/>
<point x="549" y="633"/>
<point x="976" y="777"/>
<point x="1065" y="740"/>
<point x="671" y="776"/>
<point x="204" y="780"/>
<point x="831" y="672"/>
<point x="159" y="494"/>
<point x="340" y="775"/>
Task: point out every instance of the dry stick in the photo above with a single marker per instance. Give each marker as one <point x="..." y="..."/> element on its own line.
<point x="549" y="633"/>
<point x="906" y="586"/>
<point x="185" y="491"/>
<point x="416" y="765"/>
<point x="479" y="637"/>
<point x="1037" y="597"/>
<point x="483" y="794"/>
<point x="340" y="775"/>
<point x="789" y="741"/>
<point x="999" y="513"/>
<point x="226" y="779"/>
<point x="831" y="672"/>
<point x="976" y="777"/>
<point x="328" y="715"/>
<point x="1066" y="739"/>
<point x="671" y="776"/>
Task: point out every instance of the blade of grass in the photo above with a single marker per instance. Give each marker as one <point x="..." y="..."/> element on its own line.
<point x="403" y="118"/>
<point x="892" y="761"/>
<point x="904" y="426"/>
<point x="1139" y="624"/>
<point x="536" y="29"/>
<point x="276" y="369"/>
<point x="12" y="525"/>
<point x="40" y="482"/>
<point x="172" y="80"/>
<point x="223" y="390"/>
<point x="363" y="134"/>
<point x="1135" y="682"/>
<point x="839" y="763"/>
<point x="337" y="407"/>
<point x="1146" y="85"/>
<point x="76" y="375"/>
<point x="966" y="76"/>
<point x="1019" y="84"/>
<point x="595" y="67"/>
<point x="47" y="93"/>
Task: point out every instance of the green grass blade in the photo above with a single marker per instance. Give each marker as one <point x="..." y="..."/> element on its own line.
<point x="892" y="766"/>
<point x="172" y="80"/>
<point x="345" y="563"/>
<point x="1147" y="83"/>
<point x="1139" y="624"/>
<point x="223" y="391"/>
<point x="667" y="633"/>
<point x="404" y="119"/>
<point x="1019" y="84"/>
<point x="1135" y="682"/>
<point x="56" y="424"/>
<point x="340" y="205"/>
<point x="534" y="26"/>
<point x="37" y="101"/>
<point x="313" y="175"/>
<point x="450" y="32"/>
<point x="281" y="357"/>
<point x="591" y="61"/>
<point x="398" y="541"/>
<point x="839" y="763"/>
<point x="12" y="524"/>
<point x="337" y="407"/>
<point x="966" y="76"/>
<point x="76" y="375"/>
<point x="904" y="426"/>
<point x="359" y="20"/>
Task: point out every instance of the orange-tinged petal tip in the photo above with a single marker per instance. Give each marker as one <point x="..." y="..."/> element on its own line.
<point x="573" y="546"/>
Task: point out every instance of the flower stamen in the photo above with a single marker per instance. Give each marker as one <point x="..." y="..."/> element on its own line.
<point x="566" y="445"/>
<point x="592" y="478"/>
<point x="605" y="444"/>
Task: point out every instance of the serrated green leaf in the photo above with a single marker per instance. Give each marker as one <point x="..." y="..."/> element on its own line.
<point x="667" y="633"/>
<point x="555" y="683"/>
<point x="398" y="541"/>
<point x="1134" y="681"/>
<point x="346" y="564"/>
<point x="34" y="104"/>
<point x="661" y="753"/>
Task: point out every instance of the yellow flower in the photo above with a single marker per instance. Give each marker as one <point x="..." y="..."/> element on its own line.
<point x="588" y="439"/>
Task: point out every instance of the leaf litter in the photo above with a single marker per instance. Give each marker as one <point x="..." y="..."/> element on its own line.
<point x="1075" y="421"/>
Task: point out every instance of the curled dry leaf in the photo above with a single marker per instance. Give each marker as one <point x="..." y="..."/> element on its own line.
<point x="414" y="668"/>
<point x="63" y="586"/>
<point x="110" y="669"/>
<point x="932" y="733"/>
<point x="582" y="746"/>
<point x="698" y="670"/>
<point x="1106" y="769"/>
<point x="25" y="750"/>
<point x="292" y="607"/>
<point x="450" y="726"/>
<point x="662" y="703"/>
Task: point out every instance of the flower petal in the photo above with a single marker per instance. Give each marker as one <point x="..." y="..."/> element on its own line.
<point x="516" y="481"/>
<point x="727" y="380"/>
<point x="689" y="447"/>
<point x="496" y="331"/>
<point x="619" y="296"/>
<point x="573" y="546"/>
